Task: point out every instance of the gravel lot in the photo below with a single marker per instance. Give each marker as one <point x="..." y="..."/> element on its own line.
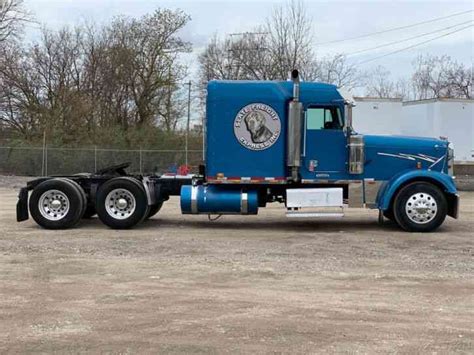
<point x="259" y="284"/>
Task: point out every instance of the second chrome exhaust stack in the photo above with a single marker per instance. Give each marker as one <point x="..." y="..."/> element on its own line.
<point x="295" y="114"/>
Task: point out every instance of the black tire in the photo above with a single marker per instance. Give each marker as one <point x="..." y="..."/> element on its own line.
<point x="389" y="214"/>
<point x="113" y="215"/>
<point x="154" y="209"/>
<point x="433" y="209"/>
<point x="89" y="206"/>
<point x="81" y="191"/>
<point x="72" y="214"/>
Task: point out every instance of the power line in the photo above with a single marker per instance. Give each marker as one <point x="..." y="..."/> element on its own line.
<point x="248" y="34"/>
<point x="396" y="28"/>
<point x="414" y="45"/>
<point x="409" y="38"/>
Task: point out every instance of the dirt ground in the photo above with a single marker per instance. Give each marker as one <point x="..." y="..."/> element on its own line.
<point x="259" y="284"/>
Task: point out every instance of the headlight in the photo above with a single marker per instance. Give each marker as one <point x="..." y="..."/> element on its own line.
<point x="451" y="159"/>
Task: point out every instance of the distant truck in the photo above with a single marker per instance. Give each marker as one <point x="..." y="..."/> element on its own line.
<point x="269" y="141"/>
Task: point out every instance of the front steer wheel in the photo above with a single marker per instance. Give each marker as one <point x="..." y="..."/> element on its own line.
<point x="56" y="204"/>
<point x="121" y="203"/>
<point x="420" y="207"/>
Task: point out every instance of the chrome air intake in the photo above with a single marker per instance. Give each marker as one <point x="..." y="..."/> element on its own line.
<point x="450" y="159"/>
<point x="295" y="110"/>
<point x="356" y="154"/>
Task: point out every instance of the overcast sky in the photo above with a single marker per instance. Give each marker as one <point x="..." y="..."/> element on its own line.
<point x="332" y="20"/>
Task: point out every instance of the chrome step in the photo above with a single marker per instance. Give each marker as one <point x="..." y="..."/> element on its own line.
<point x="313" y="214"/>
<point x="339" y="213"/>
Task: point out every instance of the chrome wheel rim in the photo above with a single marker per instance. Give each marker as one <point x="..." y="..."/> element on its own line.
<point x="421" y="208"/>
<point x="120" y="204"/>
<point x="53" y="205"/>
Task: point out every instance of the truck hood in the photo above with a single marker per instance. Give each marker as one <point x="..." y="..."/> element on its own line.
<point x="393" y="154"/>
<point x="405" y="142"/>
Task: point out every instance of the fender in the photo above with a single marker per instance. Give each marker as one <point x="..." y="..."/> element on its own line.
<point x="388" y="190"/>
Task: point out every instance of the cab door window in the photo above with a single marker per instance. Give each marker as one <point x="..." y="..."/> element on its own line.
<point x="319" y="118"/>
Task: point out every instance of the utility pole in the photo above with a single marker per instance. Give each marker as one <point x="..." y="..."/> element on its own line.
<point x="44" y="163"/>
<point x="168" y="100"/>
<point x="188" y="121"/>
<point x="95" y="158"/>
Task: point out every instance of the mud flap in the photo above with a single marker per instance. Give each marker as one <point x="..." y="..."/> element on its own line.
<point x="453" y="205"/>
<point x="22" y="205"/>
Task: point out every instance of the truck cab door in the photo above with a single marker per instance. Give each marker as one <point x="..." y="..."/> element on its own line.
<point x="324" y="144"/>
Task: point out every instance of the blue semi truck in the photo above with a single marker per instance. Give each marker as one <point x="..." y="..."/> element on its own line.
<point x="287" y="142"/>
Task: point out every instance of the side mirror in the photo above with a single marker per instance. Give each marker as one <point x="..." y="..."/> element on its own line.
<point x="348" y="119"/>
<point x="349" y="103"/>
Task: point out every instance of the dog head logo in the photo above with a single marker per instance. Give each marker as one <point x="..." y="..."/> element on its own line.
<point x="257" y="126"/>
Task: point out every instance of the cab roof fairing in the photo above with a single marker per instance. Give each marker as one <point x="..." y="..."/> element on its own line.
<point x="247" y="91"/>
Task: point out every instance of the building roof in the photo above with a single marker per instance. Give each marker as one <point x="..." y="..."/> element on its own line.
<point x="411" y="102"/>
<point x="441" y="99"/>
<point x="377" y="99"/>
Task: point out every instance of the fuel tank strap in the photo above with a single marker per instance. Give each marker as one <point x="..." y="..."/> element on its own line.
<point x="244" y="203"/>
<point x="194" y="203"/>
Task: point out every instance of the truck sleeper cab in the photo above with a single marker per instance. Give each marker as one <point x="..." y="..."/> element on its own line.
<point x="290" y="142"/>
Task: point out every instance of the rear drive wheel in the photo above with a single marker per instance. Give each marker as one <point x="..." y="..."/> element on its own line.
<point x="56" y="204"/>
<point x="89" y="206"/>
<point x="81" y="191"/>
<point x="420" y="207"/>
<point x="121" y="203"/>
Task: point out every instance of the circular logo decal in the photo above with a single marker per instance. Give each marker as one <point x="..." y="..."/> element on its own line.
<point x="257" y="126"/>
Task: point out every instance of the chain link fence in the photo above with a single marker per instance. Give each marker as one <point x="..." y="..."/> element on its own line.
<point x="38" y="161"/>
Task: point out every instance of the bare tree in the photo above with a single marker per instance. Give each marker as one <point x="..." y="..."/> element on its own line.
<point x="20" y="109"/>
<point x="239" y="57"/>
<point x="148" y="50"/>
<point x="12" y="15"/>
<point x="461" y="80"/>
<point x="336" y="70"/>
<point x="379" y="83"/>
<point x="250" y="54"/>
<point x="268" y="52"/>
<point x="403" y="89"/>
<point x="441" y="76"/>
<point x="77" y="82"/>
<point x="429" y="77"/>
<point x="433" y="77"/>
<point x="290" y="39"/>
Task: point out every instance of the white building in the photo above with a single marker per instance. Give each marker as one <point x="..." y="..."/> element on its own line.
<point x="377" y="116"/>
<point x="451" y="118"/>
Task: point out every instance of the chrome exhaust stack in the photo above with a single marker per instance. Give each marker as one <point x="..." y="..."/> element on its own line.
<point x="295" y="114"/>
